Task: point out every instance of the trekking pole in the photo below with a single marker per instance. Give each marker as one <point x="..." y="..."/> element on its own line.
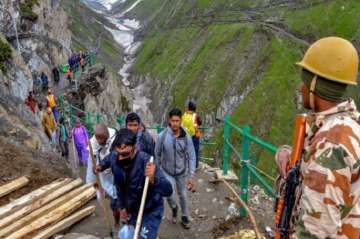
<point x="75" y="165"/>
<point x="142" y="205"/>
<point x="99" y="196"/>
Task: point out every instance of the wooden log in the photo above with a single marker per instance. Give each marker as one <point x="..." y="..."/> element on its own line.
<point x="31" y="197"/>
<point x="42" y="211"/>
<point x="39" y="203"/>
<point x="13" y="185"/>
<point x="67" y="222"/>
<point x="55" y="215"/>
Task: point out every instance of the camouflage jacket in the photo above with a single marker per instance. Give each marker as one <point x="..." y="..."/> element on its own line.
<point x="330" y="171"/>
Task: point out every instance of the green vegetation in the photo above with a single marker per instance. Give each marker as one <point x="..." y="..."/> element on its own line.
<point x="206" y="51"/>
<point x="5" y="55"/>
<point x="26" y="10"/>
<point x="340" y="18"/>
<point x="162" y="57"/>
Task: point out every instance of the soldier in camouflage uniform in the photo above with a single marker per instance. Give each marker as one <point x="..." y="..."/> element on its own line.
<point x="329" y="195"/>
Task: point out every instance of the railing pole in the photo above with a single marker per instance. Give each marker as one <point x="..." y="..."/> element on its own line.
<point x="88" y="122"/>
<point x="226" y="146"/>
<point x="244" y="171"/>
<point x="120" y="120"/>
<point x="252" y="177"/>
<point x="98" y="118"/>
<point x="71" y="116"/>
<point x="62" y="105"/>
<point x="158" y="129"/>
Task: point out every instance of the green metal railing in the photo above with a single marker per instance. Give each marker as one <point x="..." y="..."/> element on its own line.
<point x="247" y="164"/>
<point x="90" y="60"/>
<point x="69" y="111"/>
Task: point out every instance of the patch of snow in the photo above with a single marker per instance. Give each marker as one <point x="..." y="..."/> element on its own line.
<point x="132" y="23"/>
<point x="108" y="3"/>
<point x="125" y="39"/>
<point x="132" y="49"/>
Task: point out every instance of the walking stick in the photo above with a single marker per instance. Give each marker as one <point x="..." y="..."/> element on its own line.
<point x="75" y="165"/>
<point x="142" y="205"/>
<point x="99" y="196"/>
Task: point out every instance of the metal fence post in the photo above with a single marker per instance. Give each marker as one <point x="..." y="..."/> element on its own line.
<point x="88" y="122"/>
<point x="253" y="163"/>
<point x="71" y="116"/>
<point x="121" y="121"/>
<point x="226" y="146"/>
<point x="98" y="118"/>
<point x="244" y="172"/>
<point x="62" y="105"/>
<point x="158" y="129"/>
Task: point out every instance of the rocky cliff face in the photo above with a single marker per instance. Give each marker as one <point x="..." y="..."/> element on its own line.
<point x="43" y="44"/>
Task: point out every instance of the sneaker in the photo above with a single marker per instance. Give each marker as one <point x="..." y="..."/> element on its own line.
<point x="185" y="222"/>
<point x="174" y="214"/>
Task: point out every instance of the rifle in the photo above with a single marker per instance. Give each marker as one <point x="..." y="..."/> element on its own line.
<point x="285" y="204"/>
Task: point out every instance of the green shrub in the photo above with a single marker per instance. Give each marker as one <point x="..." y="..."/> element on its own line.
<point x="26" y="10"/>
<point x="5" y="55"/>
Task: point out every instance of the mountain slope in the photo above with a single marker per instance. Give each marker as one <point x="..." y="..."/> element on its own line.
<point x="88" y="33"/>
<point x="237" y="57"/>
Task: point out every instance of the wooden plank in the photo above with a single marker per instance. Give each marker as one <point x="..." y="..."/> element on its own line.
<point x="67" y="222"/>
<point x="31" y="197"/>
<point x="42" y="211"/>
<point x="13" y="185"/>
<point x="54" y="216"/>
<point x="39" y="203"/>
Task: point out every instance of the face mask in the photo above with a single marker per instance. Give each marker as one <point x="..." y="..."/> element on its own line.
<point x="126" y="160"/>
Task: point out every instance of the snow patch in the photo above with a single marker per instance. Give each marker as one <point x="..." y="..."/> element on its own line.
<point x="125" y="39"/>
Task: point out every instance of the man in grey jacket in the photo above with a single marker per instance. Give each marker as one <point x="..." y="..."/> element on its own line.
<point x="175" y="154"/>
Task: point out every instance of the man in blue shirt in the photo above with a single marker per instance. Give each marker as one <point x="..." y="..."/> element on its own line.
<point x="130" y="168"/>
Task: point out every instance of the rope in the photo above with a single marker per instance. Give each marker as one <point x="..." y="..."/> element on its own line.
<point x="262" y="172"/>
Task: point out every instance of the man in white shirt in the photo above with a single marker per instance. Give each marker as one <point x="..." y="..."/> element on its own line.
<point x="101" y="144"/>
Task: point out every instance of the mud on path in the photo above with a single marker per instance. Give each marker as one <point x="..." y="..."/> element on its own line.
<point x="40" y="168"/>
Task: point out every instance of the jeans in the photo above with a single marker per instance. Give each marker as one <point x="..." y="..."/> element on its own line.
<point x="64" y="146"/>
<point x="178" y="184"/>
<point x="55" y="113"/>
<point x="196" y="142"/>
<point x="53" y="138"/>
<point x="82" y="153"/>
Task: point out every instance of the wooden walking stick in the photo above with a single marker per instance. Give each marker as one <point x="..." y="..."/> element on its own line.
<point x="142" y="205"/>
<point x="75" y="161"/>
<point x="99" y="195"/>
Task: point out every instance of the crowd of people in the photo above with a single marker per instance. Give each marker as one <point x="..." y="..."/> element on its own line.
<point x="42" y="101"/>
<point x="123" y="162"/>
<point x="76" y="61"/>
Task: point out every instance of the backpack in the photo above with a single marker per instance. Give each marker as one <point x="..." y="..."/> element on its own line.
<point x="188" y="123"/>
